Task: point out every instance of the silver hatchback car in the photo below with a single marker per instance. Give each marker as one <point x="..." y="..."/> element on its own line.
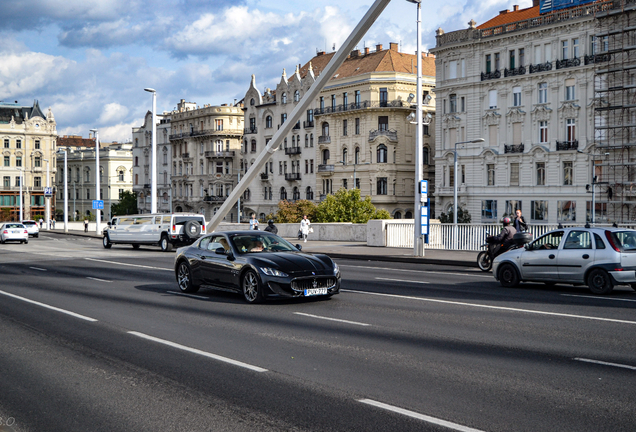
<point x="597" y="257"/>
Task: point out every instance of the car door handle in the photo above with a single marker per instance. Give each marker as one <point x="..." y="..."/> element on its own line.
<point x="586" y="256"/>
<point x="202" y="257"/>
<point x="551" y="256"/>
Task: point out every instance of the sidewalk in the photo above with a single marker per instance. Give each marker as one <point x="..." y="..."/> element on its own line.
<point x="357" y="251"/>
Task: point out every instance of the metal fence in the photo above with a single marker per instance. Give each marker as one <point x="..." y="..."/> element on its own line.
<point x="469" y="236"/>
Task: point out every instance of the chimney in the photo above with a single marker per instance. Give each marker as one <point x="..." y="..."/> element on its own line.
<point x="393" y="46"/>
<point x="378" y="47"/>
<point x="366" y="50"/>
<point x="355" y="53"/>
<point x="503" y="12"/>
<point x="320" y="53"/>
<point x="536" y="3"/>
<point x="515" y="8"/>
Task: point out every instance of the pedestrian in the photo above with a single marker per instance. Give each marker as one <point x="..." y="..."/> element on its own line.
<point x="271" y="227"/>
<point x="41" y="223"/>
<point x="520" y="222"/>
<point x="253" y="222"/>
<point x="305" y="227"/>
<point x="85" y="225"/>
<point x="53" y="223"/>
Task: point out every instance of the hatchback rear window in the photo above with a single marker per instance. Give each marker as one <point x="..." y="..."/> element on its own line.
<point x="626" y="240"/>
<point x="28" y="223"/>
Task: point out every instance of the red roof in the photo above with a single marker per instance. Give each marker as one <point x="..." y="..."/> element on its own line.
<point x="507" y="17"/>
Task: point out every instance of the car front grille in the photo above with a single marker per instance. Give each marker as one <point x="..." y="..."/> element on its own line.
<point x="313" y="282"/>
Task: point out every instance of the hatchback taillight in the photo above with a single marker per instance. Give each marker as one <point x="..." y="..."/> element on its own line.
<point x="608" y="236"/>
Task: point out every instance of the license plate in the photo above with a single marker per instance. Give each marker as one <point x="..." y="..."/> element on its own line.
<point x="16" y="231"/>
<point x="315" y="291"/>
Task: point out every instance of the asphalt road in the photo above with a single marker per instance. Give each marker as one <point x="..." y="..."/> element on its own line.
<point x="101" y="340"/>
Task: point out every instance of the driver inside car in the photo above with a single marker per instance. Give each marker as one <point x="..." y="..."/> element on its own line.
<point x="257" y="246"/>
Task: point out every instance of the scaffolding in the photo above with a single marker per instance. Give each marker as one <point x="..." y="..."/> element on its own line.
<point x="614" y="153"/>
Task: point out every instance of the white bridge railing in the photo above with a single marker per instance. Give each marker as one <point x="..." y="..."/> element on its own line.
<point x="469" y="236"/>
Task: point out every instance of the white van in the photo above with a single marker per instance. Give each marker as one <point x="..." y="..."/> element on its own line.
<point x="163" y="230"/>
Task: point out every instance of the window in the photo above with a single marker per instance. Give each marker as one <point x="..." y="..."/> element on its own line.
<point x="592" y="45"/>
<point x="344" y="183"/>
<point x="516" y="96"/>
<point x="512" y="59"/>
<point x="488" y="63"/>
<point x="566" y="212"/>
<point x="357" y="126"/>
<point x="384" y="97"/>
<point x="37" y="182"/>
<point x="283" y="98"/>
<point x="6" y="180"/>
<point x="121" y="175"/>
<point x="382" y="154"/>
<point x="253" y="146"/>
<point x="6" y="143"/>
<point x="309" y="194"/>
<point x="219" y="124"/>
<point x="452" y="99"/>
<point x="512" y="206"/>
<point x="37" y="162"/>
<point x="567" y="173"/>
<point x="325" y="156"/>
<point x="283" y="118"/>
<point x="425" y="156"/>
<point x="325" y="129"/>
<point x="18" y="144"/>
<point x="381" y="186"/>
<point x="451" y="176"/>
<point x="452" y="69"/>
<point x="490" y="169"/>
<point x="462" y="108"/>
<point x="489" y="209"/>
<point x="537" y="54"/>
<point x="311" y="166"/>
<point x="543" y="93"/>
<point x="564" y="50"/>
<point x="357" y="97"/>
<point x="18" y="181"/>
<point x="344" y="127"/>
<point x="345" y="99"/>
<point x="575" y="48"/>
<point x="322" y="103"/>
<point x="492" y="99"/>
<point x="7" y="161"/>
<point x="296" y="95"/>
<point x="356" y="156"/>
<point x="539" y="210"/>
<point x="569" y="90"/>
<point x="540" y="173"/>
<point x="333" y="102"/>
<point x="268" y="122"/>
<point x="570" y="130"/>
<point x="37" y="144"/>
<point x="283" y="194"/>
<point x="496" y="61"/>
<point x="383" y="123"/>
<point x="522" y="55"/>
<point x="543" y="131"/>
<point x="344" y="156"/>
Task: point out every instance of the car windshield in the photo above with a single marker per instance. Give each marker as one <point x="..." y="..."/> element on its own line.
<point x="255" y="243"/>
<point x="626" y="239"/>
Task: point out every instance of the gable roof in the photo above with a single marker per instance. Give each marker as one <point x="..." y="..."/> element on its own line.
<point x="507" y="17"/>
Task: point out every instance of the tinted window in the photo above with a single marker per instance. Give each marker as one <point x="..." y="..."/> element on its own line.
<point x="600" y="244"/>
<point x="270" y="243"/>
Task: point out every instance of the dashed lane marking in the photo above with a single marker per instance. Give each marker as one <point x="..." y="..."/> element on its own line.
<point x="48" y="306"/>
<point x="618" y="365"/>
<point x="402" y="280"/>
<point x="332" y="319"/>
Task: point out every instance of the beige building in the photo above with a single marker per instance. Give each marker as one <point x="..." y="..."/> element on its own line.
<point x="115" y="166"/>
<point x="206" y="142"/>
<point x="28" y="139"/>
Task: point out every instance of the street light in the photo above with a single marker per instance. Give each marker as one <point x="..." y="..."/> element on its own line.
<point x="21" y="198"/>
<point x="65" y="189"/>
<point x="97" y="194"/>
<point x="48" y="199"/>
<point x="153" y="168"/>
<point x="344" y="163"/>
<point x="455" y="209"/>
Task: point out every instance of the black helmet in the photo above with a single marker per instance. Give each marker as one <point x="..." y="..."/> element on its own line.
<point x="270" y="222"/>
<point x="506" y="221"/>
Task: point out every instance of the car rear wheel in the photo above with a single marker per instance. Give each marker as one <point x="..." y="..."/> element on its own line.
<point x="483" y="261"/>
<point x="184" y="278"/>
<point x="165" y="244"/>
<point x="106" y="242"/>
<point x="599" y="282"/>
<point x="251" y="285"/>
<point x="508" y="276"/>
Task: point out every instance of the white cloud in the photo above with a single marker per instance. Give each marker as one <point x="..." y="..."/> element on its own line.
<point x="112" y="112"/>
<point x="24" y="73"/>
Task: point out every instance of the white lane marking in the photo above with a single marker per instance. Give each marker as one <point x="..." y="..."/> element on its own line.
<point x="599" y="298"/>
<point x="530" y="311"/>
<point x="189" y="295"/>
<point x="37" y="268"/>
<point x="98" y="280"/>
<point x="129" y="265"/>
<point x="419" y="416"/>
<point x="49" y="307"/>
<point x="199" y="352"/>
<point x="332" y="319"/>
<point x="420" y="271"/>
<point x="605" y="363"/>
<point x="402" y="280"/>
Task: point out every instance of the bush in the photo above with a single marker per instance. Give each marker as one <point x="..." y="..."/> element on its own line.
<point x="462" y="216"/>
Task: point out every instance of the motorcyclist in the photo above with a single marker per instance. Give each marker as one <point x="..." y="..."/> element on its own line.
<point x="271" y="227"/>
<point x="505" y="238"/>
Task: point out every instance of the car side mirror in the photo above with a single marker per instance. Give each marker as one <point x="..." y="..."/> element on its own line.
<point x="108" y="223"/>
<point x="299" y="247"/>
<point x="220" y="251"/>
<point x="527" y="247"/>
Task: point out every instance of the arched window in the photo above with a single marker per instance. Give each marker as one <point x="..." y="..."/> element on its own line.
<point x="253" y="146"/>
<point x="325" y="156"/>
<point x="268" y="122"/>
<point x="408" y="215"/>
<point x="252" y="102"/>
<point x="309" y="194"/>
<point x="325" y="129"/>
<point x="296" y="193"/>
<point x="296" y="95"/>
<point x="397" y="215"/>
<point x="381" y="153"/>
<point x="344" y="156"/>
<point x="425" y="156"/>
<point x="283" y="194"/>
<point x="356" y="158"/>
<point x="311" y="140"/>
<point x="283" y="98"/>
<point x="121" y="175"/>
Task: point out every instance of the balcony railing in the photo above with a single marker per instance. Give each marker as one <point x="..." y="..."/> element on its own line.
<point x="567" y="145"/>
<point x="185" y="155"/>
<point x="515" y="148"/>
<point x="292" y="176"/>
<point x="325" y="139"/>
<point x="566" y="63"/>
<point x="521" y="70"/>
<point x="308" y="124"/>
<point x="293" y="151"/>
<point x="250" y="130"/>
<point x="541" y="67"/>
<point x="398" y="103"/>
<point x="214" y="198"/>
<point x="147" y="186"/>
<point x="206" y="132"/>
<point x="220" y="154"/>
<point x="326" y="168"/>
<point x="598" y="58"/>
<point x="490" y="75"/>
<point x="390" y="134"/>
<point x="297" y="125"/>
<point x="264" y="176"/>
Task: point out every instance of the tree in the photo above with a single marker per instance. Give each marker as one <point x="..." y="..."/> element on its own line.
<point x="462" y="216"/>
<point x="348" y="206"/>
<point x="127" y="204"/>
<point x="292" y="212"/>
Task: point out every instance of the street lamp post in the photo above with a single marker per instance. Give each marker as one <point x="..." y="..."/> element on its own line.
<point x="455" y="209"/>
<point x="97" y="194"/>
<point x="153" y="168"/>
<point x="65" y="189"/>
<point x="21" y="198"/>
<point x="48" y="200"/>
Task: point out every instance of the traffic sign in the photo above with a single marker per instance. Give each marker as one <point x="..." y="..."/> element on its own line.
<point x="423" y="191"/>
<point x="48" y="192"/>
<point x="98" y="204"/>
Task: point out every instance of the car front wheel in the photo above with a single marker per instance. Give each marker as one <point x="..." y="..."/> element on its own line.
<point x="599" y="282"/>
<point x="508" y="276"/>
<point x="184" y="278"/>
<point x="165" y="244"/>
<point x="252" y="287"/>
<point x="106" y="242"/>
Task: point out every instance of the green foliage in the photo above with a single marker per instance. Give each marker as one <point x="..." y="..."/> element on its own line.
<point x="127" y="204"/>
<point x="462" y="217"/>
<point x="292" y="212"/>
<point x="348" y="206"/>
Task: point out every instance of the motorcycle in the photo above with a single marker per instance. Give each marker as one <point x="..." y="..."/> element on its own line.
<point x="495" y="248"/>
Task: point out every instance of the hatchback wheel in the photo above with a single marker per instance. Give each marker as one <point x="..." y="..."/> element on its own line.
<point x="252" y="287"/>
<point x="599" y="282"/>
<point x="184" y="278"/>
<point x="508" y="276"/>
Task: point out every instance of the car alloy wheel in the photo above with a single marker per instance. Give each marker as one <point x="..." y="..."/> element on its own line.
<point x="165" y="244"/>
<point x="251" y="287"/>
<point x="483" y="261"/>
<point x="599" y="282"/>
<point x="508" y="276"/>
<point x="184" y="278"/>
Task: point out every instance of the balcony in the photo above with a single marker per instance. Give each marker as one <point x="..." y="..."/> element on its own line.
<point x="598" y="58"/>
<point x="308" y="124"/>
<point x="293" y="151"/>
<point x="541" y="67"/>
<point x="220" y="154"/>
<point x="250" y="130"/>
<point x="147" y="186"/>
<point x="567" y="145"/>
<point x="397" y="103"/>
<point x="326" y="169"/>
<point x="390" y="134"/>
<point x="566" y="63"/>
<point x="297" y="125"/>
<point x="214" y="199"/>
<point x="185" y="155"/>
<point x="324" y="139"/>
<point x="217" y="132"/>
<point x="515" y="148"/>
<point x="264" y="176"/>
<point x="521" y="70"/>
<point x="292" y="176"/>
<point x="490" y="75"/>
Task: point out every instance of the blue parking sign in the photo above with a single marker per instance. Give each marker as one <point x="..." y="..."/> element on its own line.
<point x="98" y="204"/>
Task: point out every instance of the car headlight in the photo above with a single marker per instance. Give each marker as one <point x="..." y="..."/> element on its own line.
<point x="336" y="269"/>
<point x="273" y="272"/>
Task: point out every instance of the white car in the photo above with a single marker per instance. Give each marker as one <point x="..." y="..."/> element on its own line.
<point x="13" y="231"/>
<point x="32" y="228"/>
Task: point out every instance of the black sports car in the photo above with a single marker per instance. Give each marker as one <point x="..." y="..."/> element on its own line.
<point x="257" y="264"/>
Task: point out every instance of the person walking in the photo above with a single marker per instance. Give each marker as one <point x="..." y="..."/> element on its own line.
<point x="520" y="222"/>
<point x="253" y="222"/>
<point x="52" y="223"/>
<point x="85" y="225"/>
<point x="305" y="226"/>
<point x="41" y="223"/>
<point x="271" y="227"/>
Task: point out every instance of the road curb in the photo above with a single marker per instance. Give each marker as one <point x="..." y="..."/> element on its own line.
<point x="410" y="260"/>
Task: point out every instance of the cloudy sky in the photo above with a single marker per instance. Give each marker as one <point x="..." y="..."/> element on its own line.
<point x="89" y="60"/>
